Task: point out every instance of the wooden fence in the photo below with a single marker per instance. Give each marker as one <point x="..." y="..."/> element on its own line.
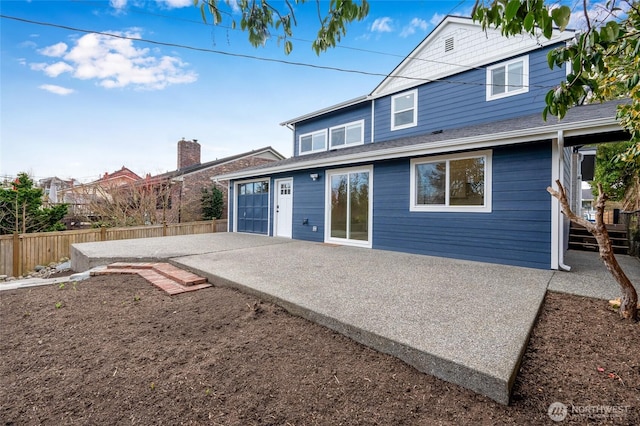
<point x="20" y="253"/>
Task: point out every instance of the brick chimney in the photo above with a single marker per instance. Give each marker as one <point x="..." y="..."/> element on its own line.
<point x="188" y="153"/>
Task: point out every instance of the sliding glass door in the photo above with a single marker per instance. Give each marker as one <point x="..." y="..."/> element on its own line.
<point x="349" y="205"/>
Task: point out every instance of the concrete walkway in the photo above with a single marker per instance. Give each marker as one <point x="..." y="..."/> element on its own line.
<point x="465" y="322"/>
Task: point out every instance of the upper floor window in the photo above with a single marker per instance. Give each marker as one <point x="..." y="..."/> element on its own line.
<point x="508" y="78"/>
<point x="404" y="110"/>
<point x="458" y="183"/>
<point x="313" y="142"/>
<point x="346" y="135"/>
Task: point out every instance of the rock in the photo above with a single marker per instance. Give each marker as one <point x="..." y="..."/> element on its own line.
<point x="3" y="277"/>
<point x="39" y="268"/>
<point x="65" y="266"/>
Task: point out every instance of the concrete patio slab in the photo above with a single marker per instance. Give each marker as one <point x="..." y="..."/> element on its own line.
<point x="589" y="277"/>
<point x="85" y="256"/>
<point x="465" y="322"/>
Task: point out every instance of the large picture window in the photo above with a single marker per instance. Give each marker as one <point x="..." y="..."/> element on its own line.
<point x="313" y="142"/>
<point x="508" y="78"/>
<point x="346" y="135"/>
<point x="404" y="110"/>
<point x="454" y="183"/>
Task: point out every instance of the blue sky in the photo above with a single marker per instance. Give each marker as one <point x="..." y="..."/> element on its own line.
<point x="76" y="104"/>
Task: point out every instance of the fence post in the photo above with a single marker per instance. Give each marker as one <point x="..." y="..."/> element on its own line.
<point x="213" y="225"/>
<point x="103" y="233"/>
<point x="16" y="255"/>
<point x="164" y="228"/>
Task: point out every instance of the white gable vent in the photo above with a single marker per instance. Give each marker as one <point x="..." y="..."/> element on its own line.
<point x="448" y="44"/>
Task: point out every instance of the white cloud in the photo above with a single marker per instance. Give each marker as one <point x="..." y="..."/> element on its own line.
<point x="52" y="70"/>
<point x="598" y="13"/>
<point x="436" y="19"/>
<point x="415" y="24"/>
<point x="55" y="50"/>
<point x="58" y="90"/>
<point x="116" y="63"/>
<point x="382" y="25"/>
<point x="118" y="4"/>
<point x="176" y="3"/>
<point x="28" y="44"/>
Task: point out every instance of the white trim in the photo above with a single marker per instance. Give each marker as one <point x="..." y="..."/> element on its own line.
<point x="350" y="124"/>
<point x="414" y="109"/>
<point x="327" y="215"/>
<point x="276" y="194"/>
<point x="373" y="120"/>
<point x="313" y="135"/>
<point x="480" y="60"/>
<point x="235" y="204"/>
<point x="507" y="91"/>
<point x="331" y="108"/>
<point x="229" y="204"/>
<point x="488" y="167"/>
<point x="578" y="128"/>
<point x="555" y="206"/>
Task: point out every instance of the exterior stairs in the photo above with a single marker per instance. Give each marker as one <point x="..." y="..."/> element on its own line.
<point x="581" y="239"/>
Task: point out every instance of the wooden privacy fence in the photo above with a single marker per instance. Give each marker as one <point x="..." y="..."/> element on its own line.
<point x="20" y="253"/>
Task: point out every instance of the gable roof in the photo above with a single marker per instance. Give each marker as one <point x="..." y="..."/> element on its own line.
<point x="267" y="152"/>
<point x="582" y="124"/>
<point x="459" y="44"/>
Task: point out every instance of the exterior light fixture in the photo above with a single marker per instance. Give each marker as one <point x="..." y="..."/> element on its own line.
<point x="314" y="176"/>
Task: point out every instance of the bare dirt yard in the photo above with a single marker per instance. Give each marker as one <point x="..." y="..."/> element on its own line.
<point x="115" y="350"/>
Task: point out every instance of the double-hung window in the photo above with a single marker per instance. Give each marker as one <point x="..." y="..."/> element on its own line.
<point x="508" y="78"/>
<point x="404" y="110"/>
<point x="313" y="142"/>
<point x="346" y="135"/>
<point x="460" y="183"/>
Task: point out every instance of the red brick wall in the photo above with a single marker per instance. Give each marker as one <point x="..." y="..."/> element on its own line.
<point x="188" y="154"/>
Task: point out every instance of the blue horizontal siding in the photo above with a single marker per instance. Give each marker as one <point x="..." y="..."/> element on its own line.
<point x="358" y="112"/>
<point x="516" y="232"/>
<point x="308" y="203"/>
<point x="460" y="100"/>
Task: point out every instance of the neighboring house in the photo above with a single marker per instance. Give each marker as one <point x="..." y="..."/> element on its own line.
<point x="83" y="198"/>
<point x="180" y="191"/>
<point x="448" y="156"/>
<point x="52" y="185"/>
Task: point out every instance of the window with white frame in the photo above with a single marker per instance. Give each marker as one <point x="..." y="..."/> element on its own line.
<point x="404" y="110"/>
<point x="346" y="135"/>
<point x="508" y="78"/>
<point x="313" y="142"/>
<point x="460" y="183"/>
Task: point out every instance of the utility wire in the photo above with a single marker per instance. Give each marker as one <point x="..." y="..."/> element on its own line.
<point x="340" y="46"/>
<point x="245" y="56"/>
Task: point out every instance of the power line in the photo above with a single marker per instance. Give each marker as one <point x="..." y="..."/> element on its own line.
<point x="340" y="46"/>
<point x="253" y="57"/>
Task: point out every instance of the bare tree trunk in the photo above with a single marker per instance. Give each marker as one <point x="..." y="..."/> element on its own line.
<point x="629" y="300"/>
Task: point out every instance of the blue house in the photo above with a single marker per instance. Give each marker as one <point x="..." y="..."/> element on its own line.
<point x="448" y="156"/>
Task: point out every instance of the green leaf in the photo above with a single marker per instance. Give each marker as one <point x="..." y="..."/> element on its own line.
<point x="288" y="47"/>
<point x="528" y="22"/>
<point x="512" y="10"/>
<point x="561" y="17"/>
<point x="547" y="31"/>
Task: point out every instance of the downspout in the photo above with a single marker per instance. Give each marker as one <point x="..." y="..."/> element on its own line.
<point x="555" y="209"/>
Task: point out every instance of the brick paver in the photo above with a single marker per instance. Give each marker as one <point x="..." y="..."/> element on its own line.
<point x="168" y="278"/>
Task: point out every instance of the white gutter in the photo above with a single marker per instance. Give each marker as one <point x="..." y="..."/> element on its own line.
<point x="601" y="125"/>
